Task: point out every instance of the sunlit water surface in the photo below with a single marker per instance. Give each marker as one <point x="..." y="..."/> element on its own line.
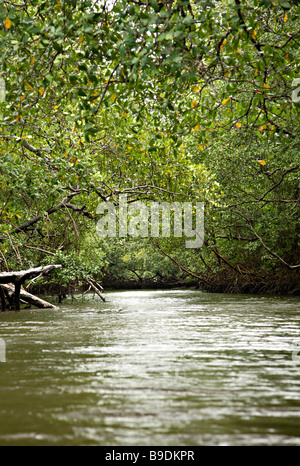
<point x="151" y="368"/>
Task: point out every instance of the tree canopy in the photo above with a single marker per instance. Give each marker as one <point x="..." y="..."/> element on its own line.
<point x="171" y="100"/>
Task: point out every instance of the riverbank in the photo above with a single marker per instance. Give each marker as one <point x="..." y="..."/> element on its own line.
<point x="282" y="283"/>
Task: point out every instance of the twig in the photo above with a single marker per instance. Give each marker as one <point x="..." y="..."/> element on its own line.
<point x="15" y="249"/>
<point x="38" y="249"/>
<point x="178" y="265"/>
<point x="106" y="87"/>
<point x="4" y="260"/>
<point x="280" y="181"/>
<point x="90" y="282"/>
<point x="5" y="204"/>
<point x="291" y="267"/>
<point x="33" y="280"/>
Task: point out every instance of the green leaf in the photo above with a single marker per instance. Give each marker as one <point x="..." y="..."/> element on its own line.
<point x="57" y="46"/>
<point x="155" y="5"/>
<point x="73" y="79"/>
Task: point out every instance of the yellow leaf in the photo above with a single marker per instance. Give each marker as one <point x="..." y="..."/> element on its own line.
<point x="285" y="18"/>
<point x="272" y="127"/>
<point x="256" y="71"/>
<point x="29" y="86"/>
<point x="223" y="43"/>
<point x="56" y="107"/>
<point x="195" y="89"/>
<point x="224" y="102"/>
<point x="197" y="127"/>
<point x="266" y="86"/>
<point x="226" y="74"/>
<point x="32" y="60"/>
<point x="261" y="128"/>
<point x="238" y="125"/>
<point x="200" y="147"/>
<point x="254" y="34"/>
<point x="113" y="97"/>
<point x="287" y="57"/>
<point x="262" y="162"/>
<point x="74" y="128"/>
<point x="194" y="103"/>
<point x="81" y="38"/>
<point x="41" y="91"/>
<point x="7" y="23"/>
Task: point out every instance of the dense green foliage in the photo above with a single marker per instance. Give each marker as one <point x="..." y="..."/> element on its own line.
<point x="176" y="100"/>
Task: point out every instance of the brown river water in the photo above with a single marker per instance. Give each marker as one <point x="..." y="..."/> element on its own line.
<point x="166" y="368"/>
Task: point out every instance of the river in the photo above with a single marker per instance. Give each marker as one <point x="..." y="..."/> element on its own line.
<point x="148" y="368"/>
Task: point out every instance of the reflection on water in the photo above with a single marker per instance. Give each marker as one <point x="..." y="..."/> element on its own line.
<point x="153" y="368"/>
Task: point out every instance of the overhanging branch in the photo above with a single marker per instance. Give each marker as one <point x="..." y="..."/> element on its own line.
<point x="63" y="204"/>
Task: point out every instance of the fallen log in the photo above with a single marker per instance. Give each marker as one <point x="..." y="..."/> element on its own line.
<point x="96" y="287"/>
<point x="28" y="298"/>
<point x="12" y="277"/>
<point x="11" y="285"/>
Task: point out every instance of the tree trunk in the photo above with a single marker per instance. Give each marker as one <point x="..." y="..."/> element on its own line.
<point x="27" y="297"/>
<point x="17" y="304"/>
<point x="3" y="302"/>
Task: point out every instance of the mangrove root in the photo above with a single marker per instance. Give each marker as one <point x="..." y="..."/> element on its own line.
<point x="12" y="292"/>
